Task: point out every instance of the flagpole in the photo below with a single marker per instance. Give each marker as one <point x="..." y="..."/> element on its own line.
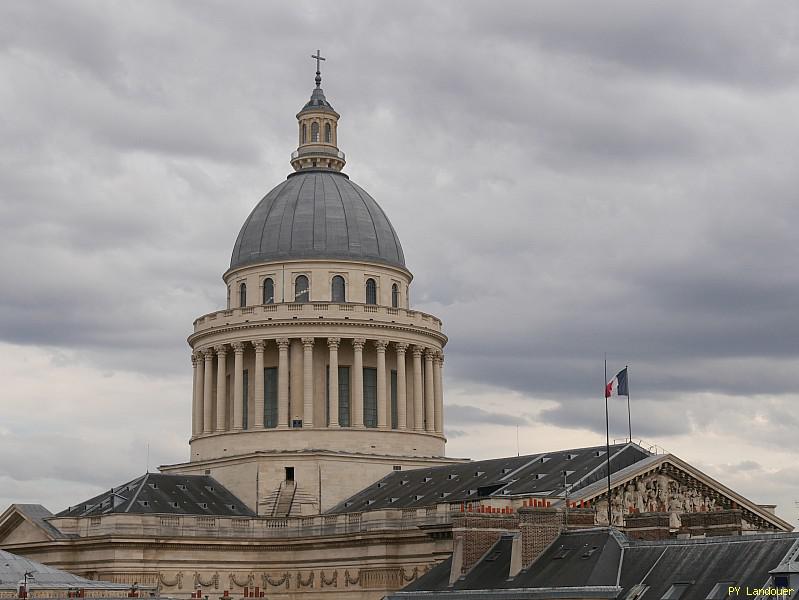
<point x="629" y="418"/>
<point x="607" y="436"/>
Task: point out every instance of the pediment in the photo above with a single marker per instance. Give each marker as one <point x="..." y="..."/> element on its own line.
<point x="668" y="484"/>
<point x="17" y="527"/>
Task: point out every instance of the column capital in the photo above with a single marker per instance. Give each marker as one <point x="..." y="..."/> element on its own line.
<point x="333" y="343"/>
<point x="208" y="353"/>
<point x="195" y="358"/>
<point x="429" y="353"/>
<point x="238" y="347"/>
<point x="439" y="357"/>
<point x="307" y="342"/>
<point x="417" y="351"/>
<point x="358" y="343"/>
<point x="380" y="345"/>
<point x="283" y="343"/>
<point x="259" y="345"/>
<point x="400" y="347"/>
<point x="221" y="350"/>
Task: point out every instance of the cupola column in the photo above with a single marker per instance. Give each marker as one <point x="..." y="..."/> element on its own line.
<point x="307" y="382"/>
<point x="283" y="383"/>
<point x="257" y="420"/>
<point x="196" y="411"/>
<point x="438" y="363"/>
<point x="357" y="381"/>
<point x="402" y="399"/>
<point x="382" y="397"/>
<point x="238" y="386"/>
<point x="418" y="390"/>
<point x="429" y="401"/>
<point x="208" y="386"/>
<point x="221" y="386"/>
<point x="332" y="344"/>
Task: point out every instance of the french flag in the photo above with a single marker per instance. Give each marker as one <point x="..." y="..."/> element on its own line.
<point x="618" y="385"/>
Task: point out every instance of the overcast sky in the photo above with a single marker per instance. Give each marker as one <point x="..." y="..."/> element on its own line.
<point x="567" y="180"/>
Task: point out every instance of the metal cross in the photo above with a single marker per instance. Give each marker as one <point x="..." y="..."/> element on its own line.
<point x="318" y="56"/>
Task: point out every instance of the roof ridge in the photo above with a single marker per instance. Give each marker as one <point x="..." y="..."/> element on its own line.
<point x="138" y="491"/>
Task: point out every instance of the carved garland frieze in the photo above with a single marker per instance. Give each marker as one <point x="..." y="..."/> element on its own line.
<point x="332" y="582"/>
<point x="285" y="580"/>
<point x="200" y="582"/>
<point x="307" y="582"/>
<point x="177" y="581"/>
<point x="348" y="581"/>
<point x="248" y="581"/>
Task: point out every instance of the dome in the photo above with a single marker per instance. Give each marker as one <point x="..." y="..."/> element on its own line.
<point x="317" y="215"/>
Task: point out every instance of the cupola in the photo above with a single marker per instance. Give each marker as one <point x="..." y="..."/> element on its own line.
<point x="317" y="129"/>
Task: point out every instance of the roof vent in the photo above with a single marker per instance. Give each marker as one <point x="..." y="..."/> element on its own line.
<point x="404" y="482"/>
<point x="418" y="496"/>
<point x="210" y="488"/>
<point x="452" y="476"/>
<point x="182" y="487"/>
<point x="472" y="492"/>
<point x="232" y="506"/>
<point x="144" y="502"/>
<point x="370" y="502"/>
<point x="444" y="494"/>
<point x="426" y="479"/>
<point x="381" y="484"/>
<point x="571" y="456"/>
<point x="479" y="473"/>
<point x="543" y="459"/>
<point x="599" y="452"/>
<point x="393" y="499"/>
<point x="506" y="470"/>
<point x="561" y="553"/>
<point x="540" y="475"/>
<point x="347" y="504"/>
<point x="173" y="504"/>
<point x="154" y="486"/>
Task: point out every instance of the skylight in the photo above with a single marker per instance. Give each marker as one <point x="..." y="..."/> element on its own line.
<point x="676" y="591"/>
<point x="720" y="591"/>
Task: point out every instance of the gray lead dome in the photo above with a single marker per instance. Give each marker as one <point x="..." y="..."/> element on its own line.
<point x="317" y="214"/>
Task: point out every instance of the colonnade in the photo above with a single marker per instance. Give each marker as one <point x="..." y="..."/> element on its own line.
<point x="427" y="391"/>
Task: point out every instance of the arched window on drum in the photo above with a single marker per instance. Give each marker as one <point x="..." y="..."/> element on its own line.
<point x="338" y="289"/>
<point x="243" y="294"/>
<point x="301" y="289"/>
<point x="314" y="131"/>
<point x="269" y="291"/>
<point x="395" y="299"/>
<point x="371" y="291"/>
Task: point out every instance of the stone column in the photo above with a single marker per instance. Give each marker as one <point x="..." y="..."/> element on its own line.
<point x="221" y="387"/>
<point x="438" y="392"/>
<point x="357" y="381"/>
<point x="307" y="382"/>
<point x="429" y="399"/>
<point x="258" y="418"/>
<point x="283" y="383"/>
<point x="402" y="397"/>
<point x="238" y="386"/>
<point x="208" y="388"/>
<point x="382" y="398"/>
<point x="196" y="407"/>
<point x="332" y="344"/>
<point x="418" y="390"/>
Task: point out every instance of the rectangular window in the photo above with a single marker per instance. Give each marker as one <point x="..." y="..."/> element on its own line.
<point x="245" y="393"/>
<point x="270" y="397"/>
<point x="370" y="397"/>
<point x="344" y="396"/>
<point x="394" y="418"/>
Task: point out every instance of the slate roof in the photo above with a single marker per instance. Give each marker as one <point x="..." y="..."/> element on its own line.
<point x="159" y="493"/>
<point x="37" y="514"/>
<point x="317" y="214"/>
<point x="535" y="474"/>
<point x="604" y="559"/>
<point x="318" y="102"/>
<point x="13" y="568"/>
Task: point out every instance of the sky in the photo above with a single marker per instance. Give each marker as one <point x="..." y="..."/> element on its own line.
<point x="569" y="181"/>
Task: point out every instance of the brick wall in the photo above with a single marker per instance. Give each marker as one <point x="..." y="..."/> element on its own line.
<point x="647" y="526"/>
<point x="722" y="522"/>
<point x="539" y="527"/>
<point x="479" y="532"/>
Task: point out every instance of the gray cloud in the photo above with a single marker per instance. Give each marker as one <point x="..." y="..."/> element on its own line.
<point x="471" y="415"/>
